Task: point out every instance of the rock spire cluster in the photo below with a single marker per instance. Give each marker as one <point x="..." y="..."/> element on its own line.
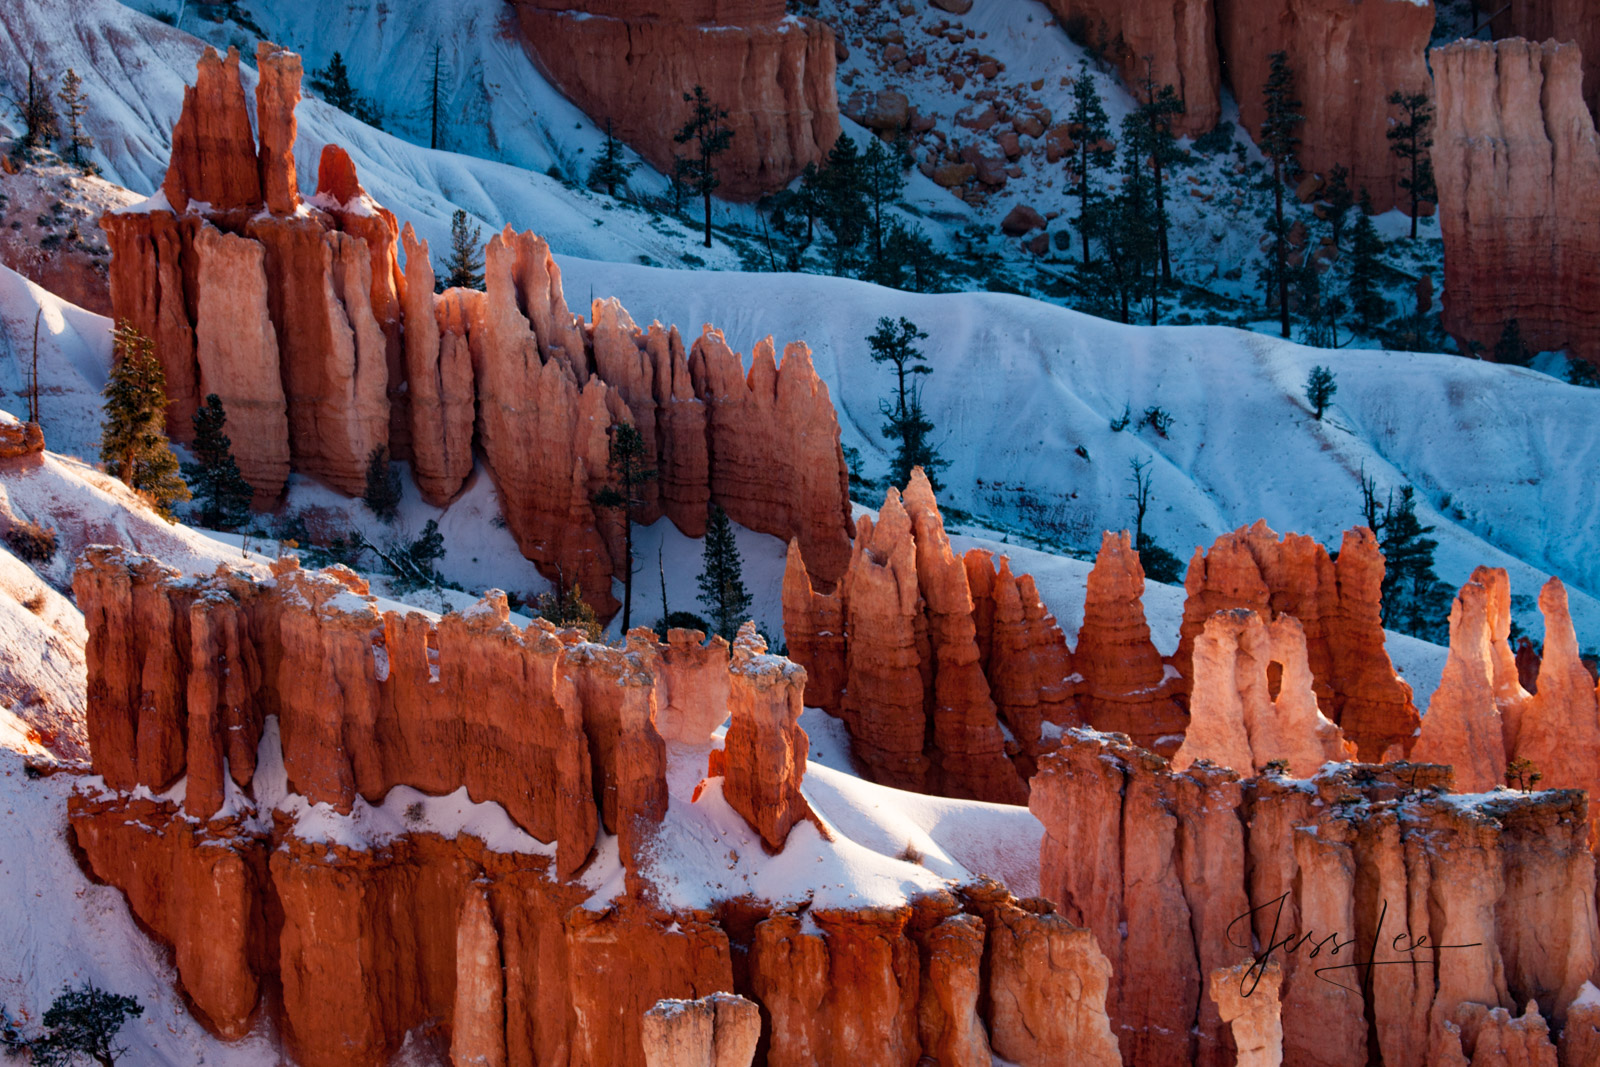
<point x="297" y="314"/>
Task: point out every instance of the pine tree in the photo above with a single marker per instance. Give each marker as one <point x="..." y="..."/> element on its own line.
<point x="84" y="1022"/>
<point x="841" y="204"/>
<point x="434" y="84"/>
<point x="1091" y="129"/>
<point x="383" y="493"/>
<point x="707" y="138"/>
<point x="568" y="609"/>
<point x="1414" y="601"/>
<point x="1412" y="140"/>
<point x="1510" y="348"/>
<point x="611" y="169"/>
<point x="1362" y="290"/>
<point x="75" y="104"/>
<point x="1278" y="143"/>
<point x="1320" y="388"/>
<point x="464" y="268"/>
<point x="133" y="438"/>
<point x="896" y="343"/>
<point x="332" y="83"/>
<point x="1337" y="199"/>
<point x="628" y="474"/>
<point x="915" y="448"/>
<point x="722" y="591"/>
<point x="1135" y="253"/>
<point x="40" y="125"/>
<point x="1157" y="111"/>
<point x="214" y="478"/>
<point x="883" y="180"/>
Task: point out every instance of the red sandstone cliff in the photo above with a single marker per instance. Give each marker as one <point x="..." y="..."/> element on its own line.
<point x="1517" y="162"/>
<point x="629" y="63"/>
<point x="1161" y="865"/>
<point x="1556" y="20"/>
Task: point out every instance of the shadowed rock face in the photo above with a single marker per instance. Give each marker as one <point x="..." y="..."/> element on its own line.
<point x="629" y="62"/>
<point x="1175" y="871"/>
<point x="1517" y="162"/>
<point x="298" y="316"/>
<point x="1556" y="20"/>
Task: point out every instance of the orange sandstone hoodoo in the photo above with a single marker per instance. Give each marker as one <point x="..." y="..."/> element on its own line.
<point x="322" y="350"/>
<point x="249" y="735"/>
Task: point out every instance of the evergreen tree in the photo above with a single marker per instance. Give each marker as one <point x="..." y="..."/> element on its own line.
<point x="1157" y="111"/>
<point x="416" y="563"/>
<point x="214" y="478"/>
<point x="913" y="433"/>
<point x="133" y="438"/>
<point x="1091" y="129"/>
<point x="1278" y="143"/>
<point x="1338" y="199"/>
<point x="40" y="125"/>
<point x="707" y="139"/>
<point x="1362" y="291"/>
<point x="628" y="473"/>
<point x="332" y="83"/>
<point x="883" y="180"/>
<point x="1414" y="601"/>
<point x="1412" y="140"/>
<point x="84" y="1022"/>
<point x="722" y="591"/>
<point x="1130" y="225"/>
<point x="841" y="204"/>
<point x="789" y="215"/>
<point x="911" y="261"/>
<point x="383" y="493"/>
<point x="1320" y="388"/>
<point x="611" y="169"/>
<point x="435" y="81"/>
<point x="74" y="105"/>
<point x="464" y="268"/>
<point x="1582" y="372"/>
<point x="896" y="343"/>
<point x="1510" y="348"/>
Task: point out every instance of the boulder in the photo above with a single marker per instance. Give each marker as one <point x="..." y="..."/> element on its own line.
<point x="1021" y="220"/>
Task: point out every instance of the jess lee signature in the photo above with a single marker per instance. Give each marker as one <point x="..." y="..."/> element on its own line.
<point x="1403" y="945"/>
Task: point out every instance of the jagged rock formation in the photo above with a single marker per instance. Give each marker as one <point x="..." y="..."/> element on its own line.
<point x="1179" y="38"/>
<point x="1338" y="609"/>
<point x="18" y="439"/>
<point x="1126" y="686"/>
<point x="926" y="657"/>
<point x="1162" y="865"/>
<point x="1481" y="1034"/>
<point x="298" y="316"/>
<point x="716" y="1031"/>
<point x="766" y="750"/>
<point x="628" y="63"/>
<point x="1236" y="721"/>
<point x="248" y="736"/>
<point x="1517" y="164"/>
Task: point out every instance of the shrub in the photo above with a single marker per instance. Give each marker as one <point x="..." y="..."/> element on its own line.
<point x="31" y="542"/>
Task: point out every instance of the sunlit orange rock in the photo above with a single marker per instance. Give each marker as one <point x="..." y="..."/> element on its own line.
<point x="765" y="750"/>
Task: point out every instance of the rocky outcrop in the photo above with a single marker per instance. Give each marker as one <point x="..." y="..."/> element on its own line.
<point x="1558" y="728"/>
<point x="1126" y="686"/>
<point x="813" y="628"/>
<point x="18" y="439"/>
<point x="775" y="457"/>
<point x="236" y="349"/>
<point x="766" y="750"/>
<point x="628" y="63"/>
<point x="1517" y="163"/>
<point x="299" y="317"/>
<point x="716" y="1031"/>
<point x="1337" y="605"/>
<point x="1235" y="718"/>
<point x="1347" y="58"/>
<point x="1481" y="1034"/>
<point x="1138" y="852"/>
<point x="1246" y="996"/>
<point x="694" y="686"/>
